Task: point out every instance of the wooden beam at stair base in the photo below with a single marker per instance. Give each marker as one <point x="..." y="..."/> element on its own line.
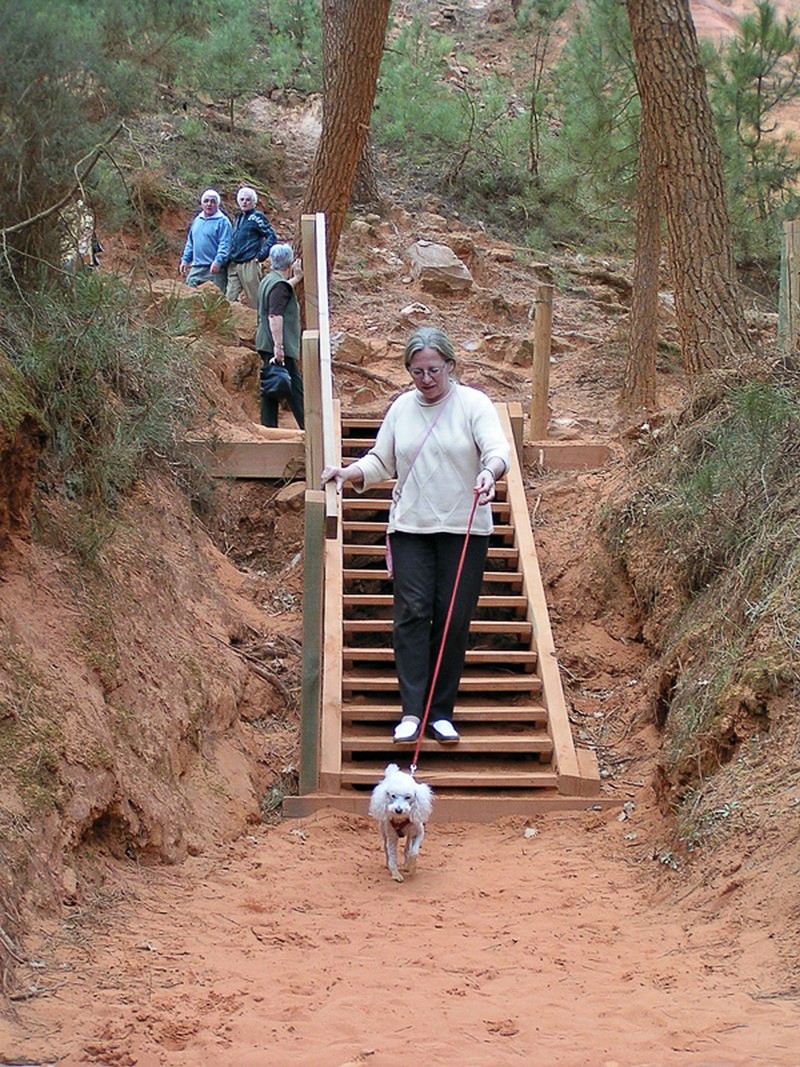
<point x="313" y="593"/>
<point x="477" y="808"/>
<point x="564" y="756"/>
<point x="251" y="459"/>
<point x="568" y="455"/>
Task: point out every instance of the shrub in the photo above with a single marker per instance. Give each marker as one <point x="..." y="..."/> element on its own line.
<point x="115" y="391"/>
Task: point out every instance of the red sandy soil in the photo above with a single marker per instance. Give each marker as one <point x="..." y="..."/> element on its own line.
<point x="570" y="939"/>
<point x="545" y="943"/>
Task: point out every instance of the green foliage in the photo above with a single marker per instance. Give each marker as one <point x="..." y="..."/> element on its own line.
<point x="225" y="62"/>
<point x="469" y="134"/>
<point x="16" y="402"/>
<point x="114" y="390"/>
<point x="293" y="44"/>
<point x="598" y="132"/>
<point x="48" y="87"/>
<point x="150" y="37"/>
<point x="415" y="110"/>
<point x="750" y="79"/>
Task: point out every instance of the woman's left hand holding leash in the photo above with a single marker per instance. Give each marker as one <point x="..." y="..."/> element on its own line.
<point x="485" y="486"/>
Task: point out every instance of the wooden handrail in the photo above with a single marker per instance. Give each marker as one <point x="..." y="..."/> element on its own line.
<point x="321" y="425"/>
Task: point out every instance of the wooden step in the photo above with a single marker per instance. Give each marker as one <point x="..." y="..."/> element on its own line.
<point x="476" y="683"/>
<point x="524" y="742"/>
<point x="477" y="713"/>
<point x="357" y="505"/>
<point x="377" y="574"/>
<point x="497" y="553"/>
<point x="502" y="532"/>
<point x="386" y="600"/>
<point x="518" y="628"/>
<point x="491" y="774"/>
<point x="513" y="659"/>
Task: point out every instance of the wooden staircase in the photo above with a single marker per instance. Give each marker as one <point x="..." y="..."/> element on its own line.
<point x="516" y="754"/>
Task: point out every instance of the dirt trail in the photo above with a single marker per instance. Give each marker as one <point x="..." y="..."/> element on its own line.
<point x="294" y="947"/>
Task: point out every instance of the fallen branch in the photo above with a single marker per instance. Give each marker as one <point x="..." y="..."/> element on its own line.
<point x="264" y="672"/>
<point x="9" y="946"/>
<point x="65" y="199"/>
<point x="367" y="373"/>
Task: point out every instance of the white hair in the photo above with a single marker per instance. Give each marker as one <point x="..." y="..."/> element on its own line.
<point x="246" y="191"/>
<point x="213" y="194"/>
<point x="281" y="256"/>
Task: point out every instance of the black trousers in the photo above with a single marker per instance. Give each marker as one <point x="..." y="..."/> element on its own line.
<point x="270" y="406"/>
<point x="425" y="567"/>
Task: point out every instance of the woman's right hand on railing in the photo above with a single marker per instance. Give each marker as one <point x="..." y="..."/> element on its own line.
<point x="340" y="475"/>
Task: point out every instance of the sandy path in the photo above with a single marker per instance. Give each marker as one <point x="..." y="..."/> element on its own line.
<point x="293" y="947"/>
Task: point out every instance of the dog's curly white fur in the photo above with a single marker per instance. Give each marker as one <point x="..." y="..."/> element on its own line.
<point x="401" y="805"/>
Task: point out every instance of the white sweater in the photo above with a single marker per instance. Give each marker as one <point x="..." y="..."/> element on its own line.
<point x="437" y="495"/>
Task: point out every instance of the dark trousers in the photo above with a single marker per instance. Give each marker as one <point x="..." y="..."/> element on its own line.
<point x="425" y="567"/>
<point x="269" y="405"/>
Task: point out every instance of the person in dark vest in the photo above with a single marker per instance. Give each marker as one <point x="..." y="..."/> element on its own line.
<point x="278" y="333"/>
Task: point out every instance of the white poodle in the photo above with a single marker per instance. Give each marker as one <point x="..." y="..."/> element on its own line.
<point x="402" y="806"/>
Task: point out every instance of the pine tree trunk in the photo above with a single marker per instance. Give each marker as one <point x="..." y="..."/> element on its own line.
<point x="355" y="31"/>
<point x="365" y="186"/>
<point x="675" y="102"/>
<point x="639" y="390"/>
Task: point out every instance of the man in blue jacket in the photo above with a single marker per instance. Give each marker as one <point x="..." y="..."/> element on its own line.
<point x="208" y="245"/>
<point x="253" y="237"/>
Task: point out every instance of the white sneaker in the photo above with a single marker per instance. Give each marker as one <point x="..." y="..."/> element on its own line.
<point x="406" y="731"/>
<point x="444" y="731"/>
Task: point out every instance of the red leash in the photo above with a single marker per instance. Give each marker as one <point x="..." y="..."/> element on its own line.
<point x="413" y="767"/>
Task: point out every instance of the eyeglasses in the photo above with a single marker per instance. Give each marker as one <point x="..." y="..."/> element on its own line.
<point x="418" y="373"/>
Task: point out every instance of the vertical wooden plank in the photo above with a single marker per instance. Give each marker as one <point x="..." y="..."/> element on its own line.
<point x="789" y="298"/>
<point x="313" y="601"/>
<point x="308" y="231"/>
<point x="540" y="375"/>
<point x="330" y="457"/>
<point x="517" y="428"/>
<point x="330" y="763"/>
<point x="313" y="408"/>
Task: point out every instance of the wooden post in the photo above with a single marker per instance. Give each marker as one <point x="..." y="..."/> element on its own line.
<point x="308" y="230"/>
<point x="313" y="606"/>
<point x="789" y="300"/>
<point x="313" y="407"/>
<point x="315" y="281"/>
<point x="540" y="376"/>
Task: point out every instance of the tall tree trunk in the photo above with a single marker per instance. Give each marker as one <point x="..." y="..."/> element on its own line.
<point x="355" y="30"/>
<point x="675" y="104"/>
<point x="365" y="184"/>
<point x="639" y="389"/>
